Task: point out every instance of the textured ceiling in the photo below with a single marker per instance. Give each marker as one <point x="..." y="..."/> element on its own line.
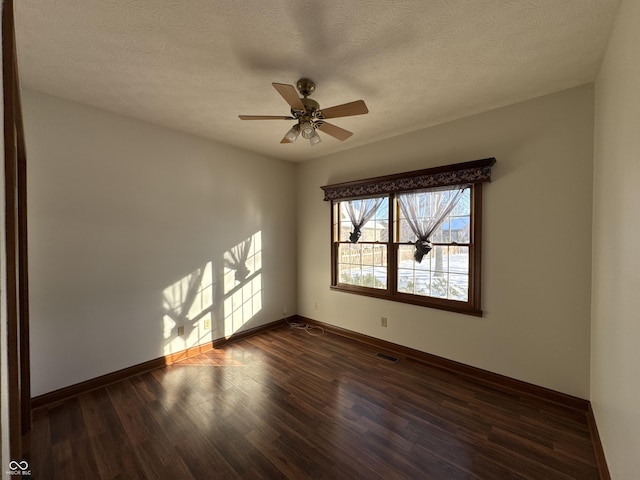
<point x="194" y="65"/>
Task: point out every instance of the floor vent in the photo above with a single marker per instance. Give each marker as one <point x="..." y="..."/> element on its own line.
<point x="386" y="357"/>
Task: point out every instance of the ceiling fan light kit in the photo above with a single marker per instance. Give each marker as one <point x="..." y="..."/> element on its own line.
<point x="309" y="115"/>
<point x="314" y="139"/>
<point x="292" y="134"/>
<point x="307" y="129"/>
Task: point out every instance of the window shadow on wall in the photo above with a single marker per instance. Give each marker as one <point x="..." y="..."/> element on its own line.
<point x="215" y="300"/>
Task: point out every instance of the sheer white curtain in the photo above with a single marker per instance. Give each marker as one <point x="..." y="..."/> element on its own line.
<point x="425" y="211"/>
<point x="360" y="212"/>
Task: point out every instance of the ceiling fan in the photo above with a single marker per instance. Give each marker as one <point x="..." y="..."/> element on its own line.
<point x="309" y="115"/>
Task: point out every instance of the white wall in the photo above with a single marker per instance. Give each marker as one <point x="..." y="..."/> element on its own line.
<point x="128" y="226"/>
<point x="537" y="241"/>
<point x="615" y="324"/>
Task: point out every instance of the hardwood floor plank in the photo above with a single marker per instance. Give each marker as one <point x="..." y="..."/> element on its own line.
<point x="487" y="469"/>
<point x="115" y="461"/>
<point x="289" y="405"/>
<point x="435" y="466"/>
<point x="203" y="459"/>
<point x="541" y="454"/>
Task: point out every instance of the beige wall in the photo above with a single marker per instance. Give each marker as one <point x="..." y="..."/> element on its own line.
<point x="615" y="324"/>
<point x="129" y="224"/>
<point x="537" y="241"/>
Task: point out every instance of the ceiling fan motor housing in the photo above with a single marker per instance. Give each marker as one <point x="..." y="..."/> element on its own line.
<point x="306" y="87"/>
<point x="310" y="108"/>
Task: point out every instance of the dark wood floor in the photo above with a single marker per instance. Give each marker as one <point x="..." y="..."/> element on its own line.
<point x="285" y="404"/>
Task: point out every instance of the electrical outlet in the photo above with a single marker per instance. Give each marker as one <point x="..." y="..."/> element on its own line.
<point x="180" y="331"/>
<point x="207" y="324"/>
<point x="383" y="322"/>
<point x="315" y="306"/>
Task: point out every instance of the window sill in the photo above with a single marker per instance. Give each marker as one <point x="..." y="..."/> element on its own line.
<point x="429" y="302"/>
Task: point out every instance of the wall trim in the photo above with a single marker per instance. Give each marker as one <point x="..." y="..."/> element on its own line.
<point x="601" y="460"/>
<point x="113" y="377"/>
<point x="503" y="382"/>
<point x="495" y="380"/>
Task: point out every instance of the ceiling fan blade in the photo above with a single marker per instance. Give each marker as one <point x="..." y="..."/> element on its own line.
<point x="336" y="132"/>
<point x="290" y="95"/>
<point x="264" y="117"/>
<point x="285" y="140"/>
<point x="345" y="110"/>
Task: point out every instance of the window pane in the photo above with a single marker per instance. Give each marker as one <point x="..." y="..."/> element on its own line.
<point x="439" y="285"/>
<point x="442" y="233"/>
<point x="440" y="259"/>
<point x="345" y="229"/>
<point x="463" y="207"/>
<point x="460" y="229"/>
<point x="412" y="277"/>
<point x="458" y="287"/>
<point x="406" y="279"/>
<point x="376" y="229"/>
<point x="421" y="211"/>
<point x="443" y="273"/>
<point x="459" y="259"/>
<point x="453" y="230"/>
<point x="362" y="264"/>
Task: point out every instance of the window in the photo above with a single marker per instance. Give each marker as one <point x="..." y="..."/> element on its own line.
<point x="363" y="237"/>
<point x="412" y="237"/>
<point x="440" y="221"/>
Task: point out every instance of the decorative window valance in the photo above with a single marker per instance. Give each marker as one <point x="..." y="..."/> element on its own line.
<point x="478" y="171"/>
